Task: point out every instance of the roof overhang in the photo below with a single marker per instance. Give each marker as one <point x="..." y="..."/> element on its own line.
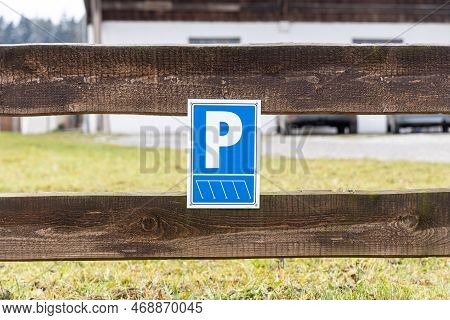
<point x="276" y="10"/>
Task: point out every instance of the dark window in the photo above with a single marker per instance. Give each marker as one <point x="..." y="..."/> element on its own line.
<point x="214" y="40"/>
<point x="376" y="41"/>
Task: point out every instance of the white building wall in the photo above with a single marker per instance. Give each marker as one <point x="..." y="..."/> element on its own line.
<point x="168" y="32"/>
<point x="36" y="125"/>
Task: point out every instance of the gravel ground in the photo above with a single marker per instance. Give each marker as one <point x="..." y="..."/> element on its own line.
<point x="431" y="147"/>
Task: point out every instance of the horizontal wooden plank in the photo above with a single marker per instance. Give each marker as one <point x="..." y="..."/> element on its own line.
<point x="67" y="79"/>
<point x="303" y="224"/>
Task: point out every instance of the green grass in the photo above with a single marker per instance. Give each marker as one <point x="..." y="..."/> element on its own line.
<point x="71" y="162"/>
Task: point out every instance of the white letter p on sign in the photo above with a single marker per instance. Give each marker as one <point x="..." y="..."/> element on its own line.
<point x="213" y="138"/>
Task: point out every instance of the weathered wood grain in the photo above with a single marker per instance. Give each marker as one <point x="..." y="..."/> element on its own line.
<point x="66" y="79"/>
<point x="323" y="224"/>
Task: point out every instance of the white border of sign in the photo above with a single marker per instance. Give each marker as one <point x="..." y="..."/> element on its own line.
<point x="255" y="205"/>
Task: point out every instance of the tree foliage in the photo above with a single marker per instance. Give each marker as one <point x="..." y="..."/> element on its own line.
<point x="67" y="30"/>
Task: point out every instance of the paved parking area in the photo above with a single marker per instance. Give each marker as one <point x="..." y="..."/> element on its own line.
<point x="414" y="147"/>
<point x="430" y="147"/>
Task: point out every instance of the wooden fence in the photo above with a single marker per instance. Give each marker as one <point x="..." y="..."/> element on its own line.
<point x="71" y="79"/>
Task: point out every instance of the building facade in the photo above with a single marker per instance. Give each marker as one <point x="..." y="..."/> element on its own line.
<point x="262" y="22"/>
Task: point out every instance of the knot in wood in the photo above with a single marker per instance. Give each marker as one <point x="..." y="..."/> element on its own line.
<point x="409" y="222"/>
<point x="149" y="223"/>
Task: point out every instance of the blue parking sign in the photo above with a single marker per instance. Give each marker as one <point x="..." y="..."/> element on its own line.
<point x="223" y="159"/>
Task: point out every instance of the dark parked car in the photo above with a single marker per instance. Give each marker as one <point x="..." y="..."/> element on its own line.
<point x="285" y="124"/>
<point x="398" y="121"/>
